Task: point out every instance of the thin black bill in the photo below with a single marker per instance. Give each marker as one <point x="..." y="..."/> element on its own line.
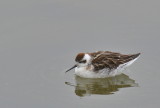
<point x="71" y="68"/>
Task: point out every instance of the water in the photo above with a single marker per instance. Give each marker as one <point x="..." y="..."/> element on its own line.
<point x="101" y="86"/>
<point x="39" y="40"/>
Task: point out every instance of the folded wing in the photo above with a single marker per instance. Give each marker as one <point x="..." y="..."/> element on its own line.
<point x="110" y="60"/>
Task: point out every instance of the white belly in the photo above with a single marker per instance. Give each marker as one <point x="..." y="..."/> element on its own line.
<point x="83" y="72"/>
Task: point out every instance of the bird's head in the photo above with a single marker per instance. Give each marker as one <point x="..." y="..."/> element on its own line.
<point x="82" y="60"/>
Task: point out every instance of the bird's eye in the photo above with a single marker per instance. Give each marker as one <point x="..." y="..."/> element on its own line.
<point x="83" y="61"/>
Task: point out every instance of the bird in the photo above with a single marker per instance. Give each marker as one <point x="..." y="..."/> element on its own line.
<point x="102" y="64"/>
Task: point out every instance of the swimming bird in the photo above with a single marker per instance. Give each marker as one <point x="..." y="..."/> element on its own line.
<point x="102" y="64"/>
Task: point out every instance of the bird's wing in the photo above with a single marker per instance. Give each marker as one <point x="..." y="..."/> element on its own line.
<point x="110" y="60"/>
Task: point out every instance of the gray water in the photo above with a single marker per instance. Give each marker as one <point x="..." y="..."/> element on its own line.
<point x="39" y="40"/>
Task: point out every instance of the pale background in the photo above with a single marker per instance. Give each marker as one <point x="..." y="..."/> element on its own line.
<point x="40" y="38"/>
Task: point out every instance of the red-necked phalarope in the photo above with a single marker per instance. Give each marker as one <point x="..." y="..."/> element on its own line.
<point x="102" y="63"/>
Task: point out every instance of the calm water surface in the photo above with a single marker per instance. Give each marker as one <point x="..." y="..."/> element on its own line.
<point x="39" y="41"/>
<point x="101" y="86"/>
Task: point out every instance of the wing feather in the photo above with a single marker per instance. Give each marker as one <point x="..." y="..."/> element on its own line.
<point x="110" y="60"/>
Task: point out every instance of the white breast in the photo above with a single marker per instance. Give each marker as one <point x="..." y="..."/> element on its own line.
<point x="83" y="72"/>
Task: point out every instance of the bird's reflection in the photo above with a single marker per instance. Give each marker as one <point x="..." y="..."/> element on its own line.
<point x="101" y="86"/>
